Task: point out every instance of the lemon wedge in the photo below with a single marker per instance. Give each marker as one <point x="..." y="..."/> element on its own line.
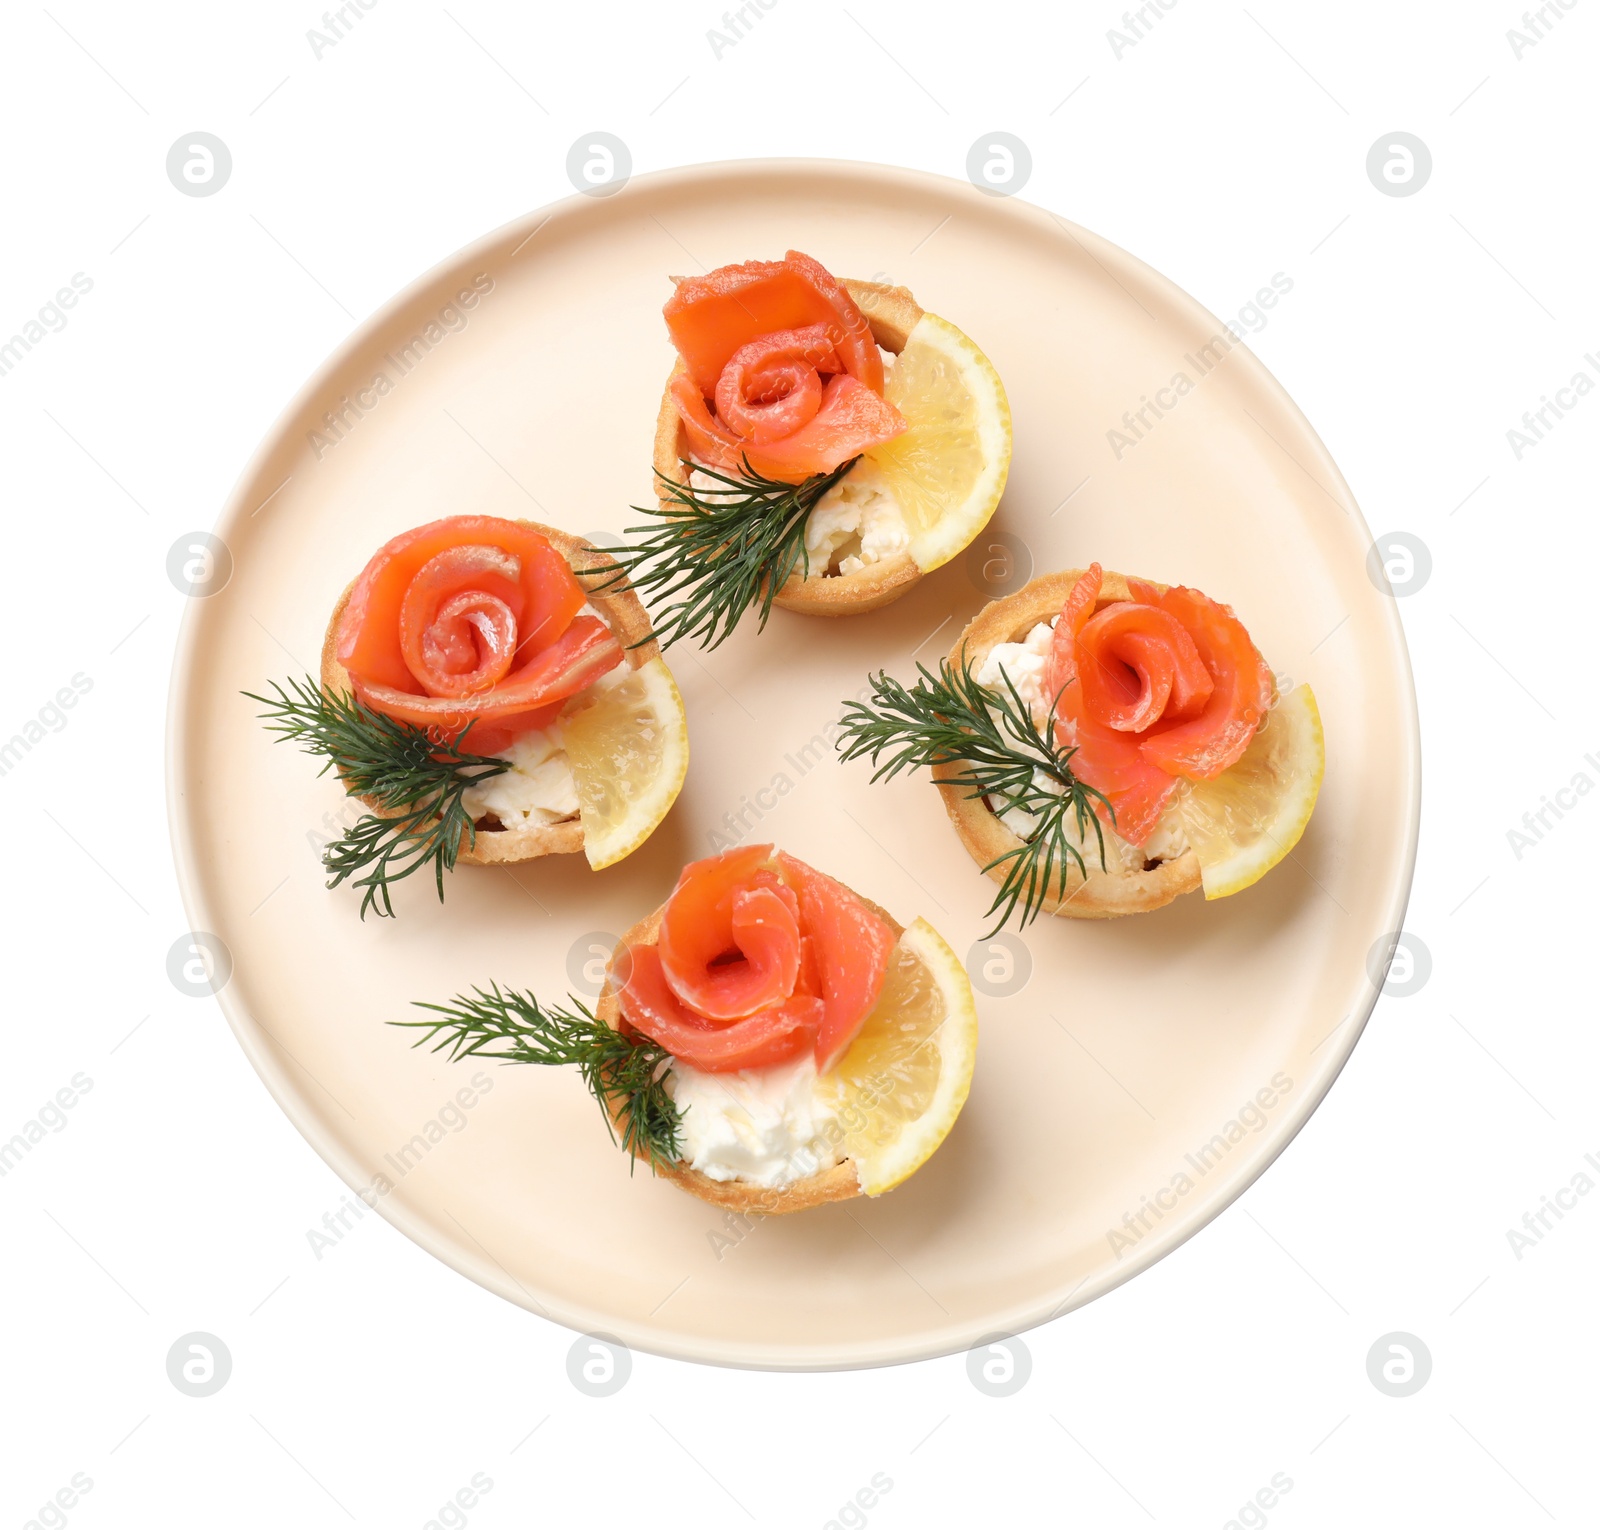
<point x="1242" y="823"/>
<point x="628" y="746"/>
<point x="948" y="467"/>
<point x="901" y="1084"/>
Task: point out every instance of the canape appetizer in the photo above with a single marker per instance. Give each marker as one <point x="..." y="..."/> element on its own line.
<point x="821" y="445"/>
<point x="1103" y="745"/>
<point x="767" y="1039"/>
<point x="487" y="708"/>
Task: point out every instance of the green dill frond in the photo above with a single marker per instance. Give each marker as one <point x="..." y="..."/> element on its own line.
<point x="625" y="1075"/>
<point x="415" y="781"/>
<point x="948" y="720"/>
<point x="719" y="551"/>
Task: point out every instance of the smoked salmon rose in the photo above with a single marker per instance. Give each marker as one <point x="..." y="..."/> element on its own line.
<point x="1163" y="685"/>
<point x="759" y="960"/>
<point x="779" y="367"/>
<point x="471" y="620"/>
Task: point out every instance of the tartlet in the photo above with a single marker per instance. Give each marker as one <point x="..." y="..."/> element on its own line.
<point x="494" y="844"/>
<point x="839" y="1182"/>
<point x="767" y="1040"/>
<point x="1104" y="744"/>
<point x="1103" y="894"/>
<point x="891" y="314"/>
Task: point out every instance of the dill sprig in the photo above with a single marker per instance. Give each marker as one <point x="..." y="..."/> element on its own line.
<point x="414" y="780"/>
<point x="624" y="1075"/>
<point x="949" y="719"/>
<point x="722" y="550"/>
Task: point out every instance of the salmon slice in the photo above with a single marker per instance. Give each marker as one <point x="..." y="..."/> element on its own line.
<point x="757" y="341"/>
<point x="710" y="317"/>
<point x="1111" y="762"/>
<point x="458" y="620"/>
<point x="1201" y="747"/>
<point x="1062" y="668"/>
<point x="852" y="418"/>
<point x="850" y="949"/>
<point x="772" y="386"/>
<point x="730" y="944"/>
<point x="757" y="960"/>
<point x="849" y="420"/>
<point x="709" y="439"/>
<point x="543" y="595"/>
<point x="471" y="619"/>
<point x="770" y="1036"/>
<point x="527" y="698"/>
<point x="1136" y="665"/>
<point x="1107" y="758"/>
<point x="1164" y="685"/>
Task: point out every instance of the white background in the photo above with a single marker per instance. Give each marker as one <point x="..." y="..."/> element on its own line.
<point x="1224" y="146"/>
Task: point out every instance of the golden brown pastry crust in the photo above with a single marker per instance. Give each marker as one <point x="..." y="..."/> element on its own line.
<point x="1104" y="894"/>
<point x="622" y="612"/>
<point x="891" y="313"/>
<point x="838" y="1183"/>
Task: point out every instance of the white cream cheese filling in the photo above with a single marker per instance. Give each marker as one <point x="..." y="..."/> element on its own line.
<point x="762" y="1126"/>
<point x="858" y="522"/>
<point x="1025" y="664"/>
<point x="539" y="788"/>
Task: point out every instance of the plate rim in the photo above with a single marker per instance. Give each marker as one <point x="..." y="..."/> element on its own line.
<point x="929" y="1344"/>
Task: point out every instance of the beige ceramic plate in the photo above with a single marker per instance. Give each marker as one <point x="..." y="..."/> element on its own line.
<point x="1146" y="1072"/>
